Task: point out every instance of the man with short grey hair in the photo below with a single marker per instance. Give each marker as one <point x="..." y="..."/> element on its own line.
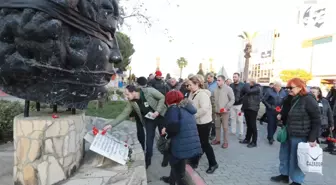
<point x="173" y="84"/>
<point x="224" y="100"/>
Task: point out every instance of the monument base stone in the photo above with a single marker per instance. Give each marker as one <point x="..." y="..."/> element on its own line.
<point x="47" y="150"/>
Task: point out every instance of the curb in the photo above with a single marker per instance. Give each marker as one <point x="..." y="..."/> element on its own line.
<point x="192" y="176"/>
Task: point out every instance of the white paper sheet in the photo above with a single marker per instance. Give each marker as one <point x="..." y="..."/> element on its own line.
<point x="110" y="147"/>
<point x="149" y="115"/>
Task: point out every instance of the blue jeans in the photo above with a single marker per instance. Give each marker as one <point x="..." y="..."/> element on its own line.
<point x="271" y="123"/>
<point x="288" y="159"/>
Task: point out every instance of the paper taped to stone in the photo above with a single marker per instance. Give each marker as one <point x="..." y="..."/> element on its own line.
<point x="110" y="147"/>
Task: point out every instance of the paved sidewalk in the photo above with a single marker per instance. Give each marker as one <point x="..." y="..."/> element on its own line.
<point x="239" y="165"/>
<point x="6" y="162"/>
<point x="155" y="171"/>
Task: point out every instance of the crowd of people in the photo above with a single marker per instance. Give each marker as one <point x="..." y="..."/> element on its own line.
<point x="193" y="111"/>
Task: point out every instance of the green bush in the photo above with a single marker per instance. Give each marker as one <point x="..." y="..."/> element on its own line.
<point x="110" y="109"/>
<point x="8" y="110"/>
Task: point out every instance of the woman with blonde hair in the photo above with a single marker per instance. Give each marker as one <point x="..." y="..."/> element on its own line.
<point x="201" y="100"/>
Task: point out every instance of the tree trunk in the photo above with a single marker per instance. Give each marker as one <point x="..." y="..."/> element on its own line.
<point x="181" y="72"/>
<point x="246" y="69"/>
<point x="129" y="77"/>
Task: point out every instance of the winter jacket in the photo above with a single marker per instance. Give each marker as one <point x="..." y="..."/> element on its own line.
<point x="155" y="100"/>
<point x="201" y="101"/>
<point x="237" y="91"/>
<point x="159" y="85"/>
<point x="327" y="119"/>
<point x="303" y="117"/>
<point x="181" y="128"/>
<point x="251" y="97"/>
<point x="224" y="98"/>
<point x="272" y="99"/>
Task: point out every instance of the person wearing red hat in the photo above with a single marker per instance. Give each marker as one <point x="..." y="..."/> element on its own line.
<point x="182" y="130"/>
<point x="159" y="84"/>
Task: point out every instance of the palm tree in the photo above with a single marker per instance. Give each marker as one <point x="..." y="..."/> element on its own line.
<point x="247" y="51"/>
<point x="182" y="63"/>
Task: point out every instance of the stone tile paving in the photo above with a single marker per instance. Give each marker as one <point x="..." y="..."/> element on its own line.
<point x="239" y="165"/>
<point x="155" y="171"/>
<point x="6" y="163"/>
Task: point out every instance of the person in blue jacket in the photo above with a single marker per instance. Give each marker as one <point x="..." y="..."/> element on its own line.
<point x="272" y="99"/>
<point x="182" y="130"/>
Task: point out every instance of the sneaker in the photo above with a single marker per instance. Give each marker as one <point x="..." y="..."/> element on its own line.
<point x="280" y="178"/>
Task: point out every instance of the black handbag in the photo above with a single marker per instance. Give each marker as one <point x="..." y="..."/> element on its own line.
<point x="163" y="144"/>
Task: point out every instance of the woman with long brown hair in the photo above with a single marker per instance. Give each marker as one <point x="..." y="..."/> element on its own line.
<point x="301" y="115"/>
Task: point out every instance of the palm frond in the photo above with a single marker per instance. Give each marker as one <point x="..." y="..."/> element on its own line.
<point x="242" y="37"/>
<point x="247" y="35"/>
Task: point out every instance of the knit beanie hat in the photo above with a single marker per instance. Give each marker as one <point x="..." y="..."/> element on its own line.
<point x="174" y="97"/>
<point x="158" y="73"/>
<point x="142" y="81"/>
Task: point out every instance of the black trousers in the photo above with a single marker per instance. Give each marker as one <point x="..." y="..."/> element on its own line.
<point x="177" y="173"/>
<point x="203" y="132"/>
<point x="150" y="127"/>
<point x="213" y="129"/>
<point x="251" y="123"/>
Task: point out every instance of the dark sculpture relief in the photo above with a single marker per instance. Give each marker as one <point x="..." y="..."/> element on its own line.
<point x="59" y="52"/>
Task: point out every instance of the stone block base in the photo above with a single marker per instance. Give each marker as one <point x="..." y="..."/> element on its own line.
<point x="47" y="150"/>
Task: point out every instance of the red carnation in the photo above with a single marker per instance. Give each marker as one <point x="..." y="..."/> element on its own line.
<point x="328" y="138"/>
<point x="278" y="109"/>
<point x="103" y="132"/>
<point x="239" y="113"/>
<point x="222" y="110"/>
<point x="95" y="131"/>
<point x="54" y="116"/>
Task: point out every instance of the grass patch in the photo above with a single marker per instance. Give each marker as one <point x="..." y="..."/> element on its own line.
<point x="110" y="110"/>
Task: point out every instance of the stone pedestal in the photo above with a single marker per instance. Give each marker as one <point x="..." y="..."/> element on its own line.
<point x="47" y="150"/>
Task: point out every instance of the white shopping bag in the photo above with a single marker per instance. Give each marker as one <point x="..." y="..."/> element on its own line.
<point x="310" y="158"/>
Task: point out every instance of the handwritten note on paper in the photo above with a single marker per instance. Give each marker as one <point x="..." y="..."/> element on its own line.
<point x="110" y="147"/>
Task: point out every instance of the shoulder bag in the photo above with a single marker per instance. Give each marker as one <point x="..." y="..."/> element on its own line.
<point x="282" y="135"/>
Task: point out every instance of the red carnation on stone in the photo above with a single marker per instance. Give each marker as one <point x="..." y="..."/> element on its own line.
<point x="95" y="131"/>
<point x="54" y="116"/>
<point x="278" y="109"/>
<point x="103" y="132"/>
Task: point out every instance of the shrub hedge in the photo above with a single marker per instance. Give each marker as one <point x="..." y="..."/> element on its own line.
<point x="8" y="110"/>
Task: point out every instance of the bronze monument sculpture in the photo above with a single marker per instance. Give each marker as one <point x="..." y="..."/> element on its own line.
<point x="59" y="52"/>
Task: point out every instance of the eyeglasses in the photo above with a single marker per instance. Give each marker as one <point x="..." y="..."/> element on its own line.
<point x="290" y="88"/>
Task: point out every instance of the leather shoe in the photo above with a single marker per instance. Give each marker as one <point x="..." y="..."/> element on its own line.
<point x="212" y="169"/>
<point x="252" y="145"/>
<point x="244" y="141"/>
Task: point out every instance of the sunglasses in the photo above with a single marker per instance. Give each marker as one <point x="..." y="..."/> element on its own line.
<point x="290" y="88"/>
